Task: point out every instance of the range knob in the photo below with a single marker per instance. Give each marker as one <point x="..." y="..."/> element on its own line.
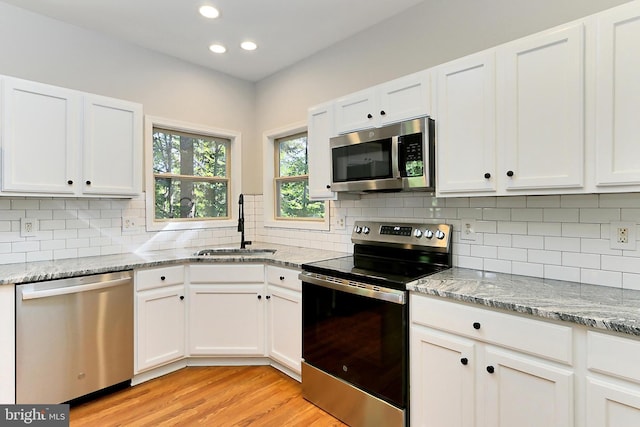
<point x="428" y="234"/>
<point x="417" y="233"/>
<point x="357" y="229"/>
<point x="365" y="230"/>
<point x="440" y="234"/>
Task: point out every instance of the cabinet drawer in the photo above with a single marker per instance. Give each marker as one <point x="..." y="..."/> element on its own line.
<point x="240" y="273"/>
<point x="535" y="337"/>
<point x="285" y="277"/>
<point x="159" y="277"/>
<point x="613" y="355"/>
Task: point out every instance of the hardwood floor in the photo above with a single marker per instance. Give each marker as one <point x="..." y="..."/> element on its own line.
<point x="207" y="396"/>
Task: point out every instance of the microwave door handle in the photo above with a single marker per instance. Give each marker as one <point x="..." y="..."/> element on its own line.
<point x="395" y="152"/>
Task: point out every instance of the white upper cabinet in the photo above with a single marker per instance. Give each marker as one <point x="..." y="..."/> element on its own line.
<point x="61" y="142"/>
<point x="540" y="93"/>
<point x="618" y="98"/>
<point x="320" y="128"/>
<point x="112" y="146"/>
<point x="466" y="150"/>
<point x="397" y="100"/>
<point x="40" y="131"/>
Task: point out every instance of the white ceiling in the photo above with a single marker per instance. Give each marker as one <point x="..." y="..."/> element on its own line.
<point x="286" y="31"/>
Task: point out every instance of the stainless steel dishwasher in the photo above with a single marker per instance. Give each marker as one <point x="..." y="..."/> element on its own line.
<point x="73" y="337"/>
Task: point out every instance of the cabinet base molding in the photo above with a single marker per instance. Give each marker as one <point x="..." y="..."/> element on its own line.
<point x="211" y="361"/>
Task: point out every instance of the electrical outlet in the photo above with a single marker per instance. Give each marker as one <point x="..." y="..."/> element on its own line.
<point x="622" y="235"/>
<point x="128" y="223"/>
<point x="468" y="229"/>
<point x="28" y="227"/>
<point x="340" y="223"/>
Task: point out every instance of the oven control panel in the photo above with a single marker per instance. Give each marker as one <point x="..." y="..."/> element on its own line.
<point x="405" y="234"/>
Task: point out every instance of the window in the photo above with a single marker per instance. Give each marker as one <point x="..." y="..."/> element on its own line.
<point x="192" y="175"/>
<point x="292" y="180"/>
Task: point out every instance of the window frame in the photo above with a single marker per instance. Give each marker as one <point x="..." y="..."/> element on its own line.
<point x="234" y="178"/>
<point x="270" y="157"/>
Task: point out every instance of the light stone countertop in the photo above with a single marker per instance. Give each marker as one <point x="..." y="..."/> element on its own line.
<point x="285" y="256"/>
<point x="600" y="307"/>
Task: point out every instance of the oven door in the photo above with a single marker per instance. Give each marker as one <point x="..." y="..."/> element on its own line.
<point x="357" y="333"/>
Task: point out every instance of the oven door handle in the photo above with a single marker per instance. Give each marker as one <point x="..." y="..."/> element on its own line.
<point x="371" y="291"/>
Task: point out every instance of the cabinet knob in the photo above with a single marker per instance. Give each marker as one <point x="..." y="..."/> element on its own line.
<point x="383" y="113"/>
<point x="369" y="116"/>
<point x="328" y="186"/>
<point x="88" y="182"/>
<point x="268" y="296"/>
<point x="259" y="296"/>
<point x="464" y="361"/>
<point x="281" y="277"/>
<point x="476" y="325"/>
<point x="70" y="182"/>
<point x="509" y="174"/>
<point x="162" y="278"/>
<point x="181" y="297"/>
<point x="491" y="369"/>
<point x="487" y="175"/>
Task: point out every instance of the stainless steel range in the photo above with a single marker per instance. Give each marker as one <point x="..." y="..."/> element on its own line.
<point x="355" y="343"/>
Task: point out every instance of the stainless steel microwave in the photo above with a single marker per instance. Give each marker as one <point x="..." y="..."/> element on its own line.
<point x="395" y="157"/>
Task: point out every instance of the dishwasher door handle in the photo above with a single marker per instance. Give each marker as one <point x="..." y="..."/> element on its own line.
<point x="45" y="293"/>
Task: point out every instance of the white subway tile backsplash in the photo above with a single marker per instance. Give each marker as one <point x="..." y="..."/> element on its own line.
<point x="620" y="200"/>
<point x="544" y="229"/>
<point x="543" y="202"/>
<point x="599" y="215"/>
<point x="601" y="277"/>
<point x="579" y="201"/>
<point x="570" y="244"/>
<point x="631" y="281"/>
<point x="527" y="242"/>
<point x="494" y="214"/>
<point x="527" y="269"/>
<point x="561" y="215"/>
<point x="512" y="227"/>
<point x="512" y="254"/>
<point x="491" y="239"/>
<point x="544" y="257"/>
<point x="555" y="272"/>
<point x="529" y="215"/>
<point x="581" y="230"/>
<point x="512" y="202"/>
<point x="574" y="259"/>
<point x="498" y="265"/>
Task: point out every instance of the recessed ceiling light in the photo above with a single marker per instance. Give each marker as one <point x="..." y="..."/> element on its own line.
<point x="217" y="48"/>
<point x="209" y="12"/>
<point x="248" y="45"/>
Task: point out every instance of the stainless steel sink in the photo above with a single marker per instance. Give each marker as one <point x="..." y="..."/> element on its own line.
<point x="233" y="251"/>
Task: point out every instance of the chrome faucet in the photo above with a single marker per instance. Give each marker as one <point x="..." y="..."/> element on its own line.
<point x="243" y="243"/>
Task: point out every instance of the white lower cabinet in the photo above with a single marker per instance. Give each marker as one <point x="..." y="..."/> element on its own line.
<point x="613" y="381"/>
<point x="226" y="310"/>
<point x="481" y="376"/>
<point x="284" y="317"/>
<point x="160" y="316"/>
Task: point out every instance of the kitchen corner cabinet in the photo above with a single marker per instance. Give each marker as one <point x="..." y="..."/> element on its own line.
<point x="160" y="316"/>
<point x="226" y="310"/>
<point x="61" y="142"/>
<point x="466" y="121"/>
<point x="400" y="99"/>
<point x="320" y="128"/>
<point x="476" y="367"/>
<point x="540" y="95"/>
<point x="284" y="316"/>
<point x="618" y="99"/>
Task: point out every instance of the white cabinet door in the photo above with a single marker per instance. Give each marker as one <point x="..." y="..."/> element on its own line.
<point x="284" y="323"/>
<point x="226" y="320"/>
<point x="356" y="111"/>
<point x="611" y="405"/>
<point x="442" y="369"/>
<point x="401" y="99"/>
<point x="40" y="132"/>
<point x="540" y="82"/>
<point x="160" y="326"/>
<point x="112" y="146"/>
<point x="405" y="98"/>
<point x="466" y="136"/>
<point x="524" y="391"/>
<point x="618" y="97"/>
<point x="320" y="128"/>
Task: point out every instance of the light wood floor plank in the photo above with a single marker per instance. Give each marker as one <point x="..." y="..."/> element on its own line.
<point x="207" y="396"/>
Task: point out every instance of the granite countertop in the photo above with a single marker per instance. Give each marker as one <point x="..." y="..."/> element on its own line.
<point x="600" y="307"/>
<point x="285" y="256"/>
